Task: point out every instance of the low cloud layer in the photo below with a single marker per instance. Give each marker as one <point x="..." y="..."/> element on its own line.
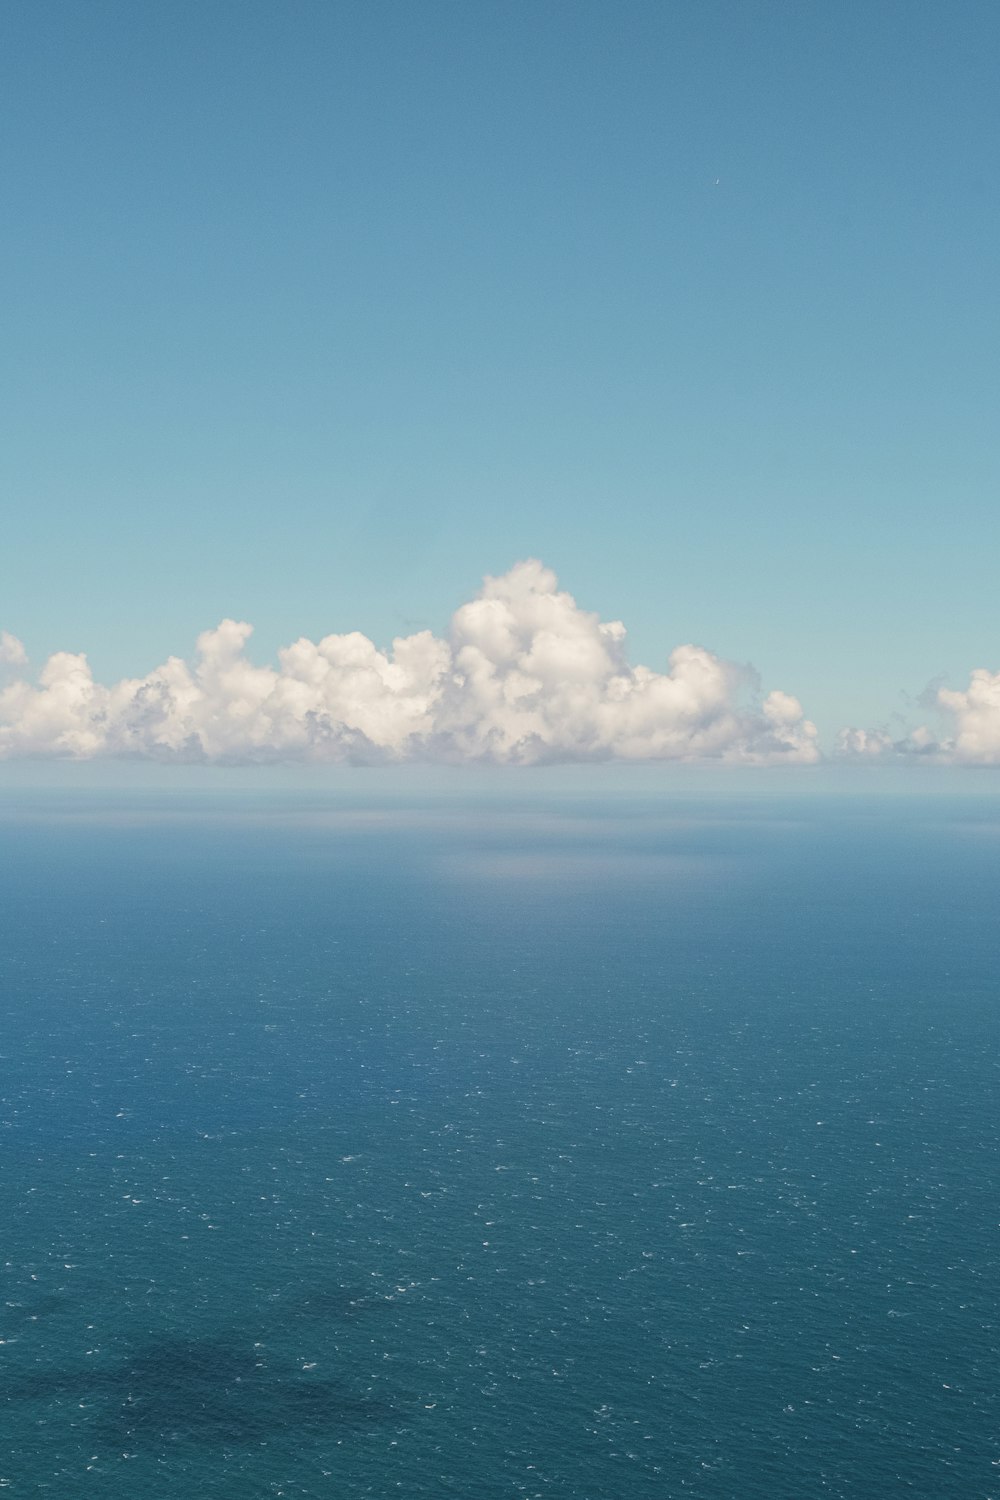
<point x="971" y="736"/>
<point x="525" y="676"/>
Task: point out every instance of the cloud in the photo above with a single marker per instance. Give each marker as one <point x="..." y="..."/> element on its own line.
<point x="975" y="714"/>
<point x="12" y="653"/>
<point x="878" y="745"/>
<point x="972" y="728"/>
<point x="526" y="676"/>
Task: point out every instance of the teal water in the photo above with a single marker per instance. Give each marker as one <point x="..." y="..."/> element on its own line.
<point x="593" y="1154"/>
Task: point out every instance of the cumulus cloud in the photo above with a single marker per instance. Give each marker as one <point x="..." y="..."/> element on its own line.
<point x="12" y="652"/>
<point x="971" y="736"/>
<point x="878" y="744"/>
<point x="975" y="714"/>
<point x="525" y="676"/>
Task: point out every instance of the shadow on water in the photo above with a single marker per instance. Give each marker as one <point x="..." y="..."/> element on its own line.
<point x="219" y="1390"/>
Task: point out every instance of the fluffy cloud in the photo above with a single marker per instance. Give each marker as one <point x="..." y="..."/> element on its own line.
<point x="878" y="745"/>
<point x="975" y="714"/>
<point x="525" y="676"/>
<point x="12" y="653"/>
<point x="972" y="736"/>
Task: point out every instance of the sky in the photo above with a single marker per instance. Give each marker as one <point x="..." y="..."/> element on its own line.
<point x="315" y="315"/>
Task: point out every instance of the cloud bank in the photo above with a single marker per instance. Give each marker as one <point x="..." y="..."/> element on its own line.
<point x="971" y="738"/>
<point x="525" y="676"/>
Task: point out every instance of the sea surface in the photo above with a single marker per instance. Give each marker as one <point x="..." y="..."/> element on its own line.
<point x="591" y="1152"/>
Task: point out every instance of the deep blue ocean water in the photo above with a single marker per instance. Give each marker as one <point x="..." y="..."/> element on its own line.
<point x="593" y="1153"/>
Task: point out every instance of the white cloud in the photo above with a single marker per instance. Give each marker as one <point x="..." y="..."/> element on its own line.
<point x="971" y="736"/>
<point x="975" y="714"/>
<point x="525" y="676"/>
<point x="866" y="744"/>
<point x="12" y="653"/>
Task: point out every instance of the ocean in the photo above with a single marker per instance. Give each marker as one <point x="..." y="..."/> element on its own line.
<point x="589" y="1151"/>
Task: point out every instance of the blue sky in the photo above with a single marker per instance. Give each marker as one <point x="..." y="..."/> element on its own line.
<point x="316" y="313"/>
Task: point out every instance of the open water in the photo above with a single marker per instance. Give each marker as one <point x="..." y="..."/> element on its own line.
<point x="619" y="1153"/>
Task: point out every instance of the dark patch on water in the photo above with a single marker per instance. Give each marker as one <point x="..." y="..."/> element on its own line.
<point x="218" y="1390"/>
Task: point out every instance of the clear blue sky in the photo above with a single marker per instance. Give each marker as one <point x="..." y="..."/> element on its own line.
<point x="313" y="313"/>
